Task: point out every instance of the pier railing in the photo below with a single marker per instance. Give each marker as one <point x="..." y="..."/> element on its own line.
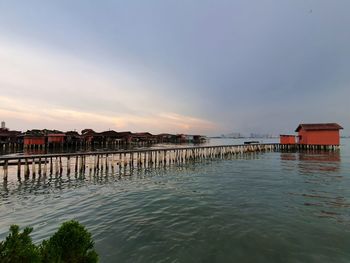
<point x="92" y="162"/>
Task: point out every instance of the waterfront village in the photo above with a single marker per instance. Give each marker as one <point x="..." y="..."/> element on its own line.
<point x="39" y="139"/>
<point x="308" y="134"/>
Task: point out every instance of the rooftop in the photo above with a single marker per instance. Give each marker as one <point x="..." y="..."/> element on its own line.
<point x="318" y="126"/>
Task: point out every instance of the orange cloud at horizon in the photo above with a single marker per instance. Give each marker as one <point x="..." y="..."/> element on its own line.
<point x="68" y="119"/>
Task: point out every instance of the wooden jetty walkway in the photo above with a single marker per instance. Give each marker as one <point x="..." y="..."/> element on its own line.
<point x="83" y="162"/>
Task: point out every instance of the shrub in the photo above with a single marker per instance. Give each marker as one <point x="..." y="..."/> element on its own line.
<point x="18" y="247"/>
<point x="71" y="243"/>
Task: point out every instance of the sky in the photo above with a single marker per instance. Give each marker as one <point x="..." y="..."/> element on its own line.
<point x="174" y="66"/>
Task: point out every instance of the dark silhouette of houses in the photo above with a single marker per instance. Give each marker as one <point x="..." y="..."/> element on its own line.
<point x="89" y="136"/>
<point x="7" y="136"/>
<point x="145" y="137"/>
<point x="125" y="136"/>
<point x="73" y="138"/>
<point x="166" y="138"/>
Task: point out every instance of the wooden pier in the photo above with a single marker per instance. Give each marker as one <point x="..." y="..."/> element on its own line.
<point x="97" y="162"/>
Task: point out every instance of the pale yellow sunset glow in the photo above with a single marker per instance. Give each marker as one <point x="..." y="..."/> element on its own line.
<point x="47" y="90"/>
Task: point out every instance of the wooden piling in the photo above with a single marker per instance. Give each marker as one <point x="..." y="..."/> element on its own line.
<point x="19" y="170"/>
<point x="68" y="165"/>
<point x="5" y="170"/>
<point x="39" y="167"/>
<point x="51" y="166"/>
<point x="61" y="166"/>
<point x="33" y="168"/>
<point x="26" y="167"/>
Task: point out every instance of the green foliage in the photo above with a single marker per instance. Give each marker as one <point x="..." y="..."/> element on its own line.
<point x="18" y="247"/>
<point x="71" y="243"/>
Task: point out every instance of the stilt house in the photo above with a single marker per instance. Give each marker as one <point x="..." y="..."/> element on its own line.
<point x="319" y="134"/>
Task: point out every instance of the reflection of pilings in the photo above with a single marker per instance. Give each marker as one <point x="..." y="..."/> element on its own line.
<point x="26" y="167"/>
<point x="68" y="165"/>
<point x="33" y="167"/>
<point x="45" y="166"/>
<point x="116" y="161"/>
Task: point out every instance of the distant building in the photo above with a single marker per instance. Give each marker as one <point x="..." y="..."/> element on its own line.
<point x="319" y="134"/>
<point x="3" y="125"/>
<point x="34" y="140"/>
<point x="166" y="138"/>
<point x="73" y="137"/>
<point x="34" y="137"/>
<point x="199" y="139"/>
<point x="125" y="136"/>
<point x="143" y="137"/>
<point x="7" y="136"/>
<point x="88" y="135"/>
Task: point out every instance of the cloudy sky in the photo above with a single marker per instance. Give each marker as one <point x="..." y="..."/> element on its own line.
<point x="198" y="66"/>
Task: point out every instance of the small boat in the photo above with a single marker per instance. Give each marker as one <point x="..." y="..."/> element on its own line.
<point x="251" y="142"/>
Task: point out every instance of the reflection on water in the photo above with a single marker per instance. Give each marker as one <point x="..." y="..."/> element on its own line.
<point x="319" y="162"/>
<point x="311" y="162"/>
<point x="321" y="175"/>
<point x="40" y="184"/>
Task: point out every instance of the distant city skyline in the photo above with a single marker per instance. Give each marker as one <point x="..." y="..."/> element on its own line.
<point x="193" y="67"/>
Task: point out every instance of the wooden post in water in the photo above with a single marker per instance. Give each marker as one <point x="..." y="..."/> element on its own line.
<point x="82" y="164"/>
<point x="61" y="166"/>
<point x="120" y="162"/>
<point x="68" y="165"/>
<point x="5" y="170"/>
<point x="56" y="167"/>
<point x="95" y="164"/>
<point x="51" y="166"/>
<point x="39" y="167"/>
<point x="100" y="163"/>
<point x="26" y="169"/>
<point x="76" y="165"/>
<point x="19" y="169"/>
<point x="144" y="160"/>
<point x="33" y="168"/>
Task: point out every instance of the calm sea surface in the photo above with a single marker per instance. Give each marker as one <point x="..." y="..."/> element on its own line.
<point x="260" y="207"/>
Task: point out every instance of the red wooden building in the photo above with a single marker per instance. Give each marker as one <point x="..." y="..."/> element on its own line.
<point x="56" y="138"/>
<point x="287" y="139"/>
<point x="319" y="134"/>
<point x="33" y="140"/>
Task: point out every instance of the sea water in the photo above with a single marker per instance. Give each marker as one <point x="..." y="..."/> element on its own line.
<point x="257" y="207"/>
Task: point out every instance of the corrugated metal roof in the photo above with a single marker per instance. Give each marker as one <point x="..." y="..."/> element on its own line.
<point x="318" y="126"/>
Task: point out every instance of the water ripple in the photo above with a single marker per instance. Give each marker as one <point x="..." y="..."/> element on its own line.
<point x="273" y="207"/>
